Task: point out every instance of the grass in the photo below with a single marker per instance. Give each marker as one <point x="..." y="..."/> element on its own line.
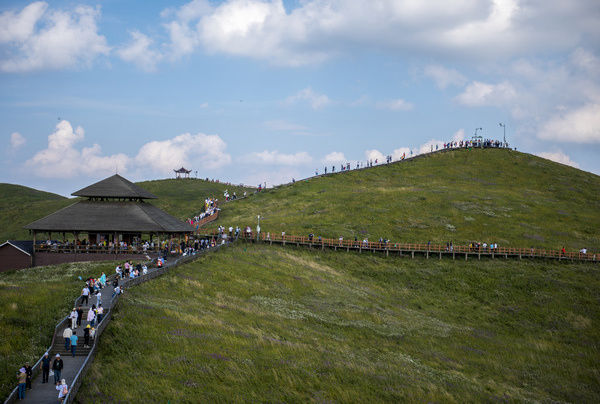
<point x="184" y="198"/>
<point x="21" y="205"/>
<point x="501" y="196"/>
<point x="280" y="324"/>
<point x="32" y="301"/>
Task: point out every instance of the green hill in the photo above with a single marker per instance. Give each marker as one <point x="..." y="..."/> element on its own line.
<point x="22" y="205"/>
<point x="259" y="323"/>
<point x="491" y="195"/>
<point x="184" y="198"/>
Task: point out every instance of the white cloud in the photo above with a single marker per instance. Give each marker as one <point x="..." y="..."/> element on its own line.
<point x="276" y="158"/>
<point x="61" y="159"/>
<point x="139" y="52"/>
<point x="37" y="38"/>
<point x="315" y="30"/>
<point x="398" y="153"/>
<point x="479" y="94"/>
<point x="395" y="105"/>
<point x="580" y="125"/>
<point x="559" y="157"/>
<point x="16" y="140"/>
<point x="430" y="146"/>
<point x="199" y="150"/>
<point x="334" y="158"/>
<point x="445" y="77"/>
<point x="458" y="135"/>
<point x="316" y="100"/>
<point x="373" y="155"/>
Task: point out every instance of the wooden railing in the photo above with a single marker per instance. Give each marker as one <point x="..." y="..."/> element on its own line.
<point x="426" y="249"/>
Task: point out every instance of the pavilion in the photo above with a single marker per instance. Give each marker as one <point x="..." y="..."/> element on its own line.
<point x="180" y="172"/>
<point x="114" y="211"/>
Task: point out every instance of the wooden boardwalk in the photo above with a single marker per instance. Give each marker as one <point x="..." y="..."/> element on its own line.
<point x="412" y="249"/>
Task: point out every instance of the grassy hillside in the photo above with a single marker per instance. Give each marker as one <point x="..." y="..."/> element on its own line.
<point x="502" y="196"/>
<point x="279" y="324"/>
<point x="32" y="301"/>
<point x="21" y="205"/>
<point x="185" y="197"/>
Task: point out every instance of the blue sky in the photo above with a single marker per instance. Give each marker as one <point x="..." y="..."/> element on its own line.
<point x="250" y="91"/>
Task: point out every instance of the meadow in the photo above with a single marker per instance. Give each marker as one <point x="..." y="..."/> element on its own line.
<point x="32" y="301"/>
<point x="254" y="323"/>
<point x="491" y="195"/>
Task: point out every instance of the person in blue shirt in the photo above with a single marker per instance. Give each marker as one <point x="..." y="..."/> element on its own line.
<point x="74" y="343"/>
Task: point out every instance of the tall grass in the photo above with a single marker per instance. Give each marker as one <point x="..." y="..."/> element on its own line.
<point x="32" y="301"/>
<point x="279" y="324"/>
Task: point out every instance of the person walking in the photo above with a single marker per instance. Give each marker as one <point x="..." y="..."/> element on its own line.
<point x="73" y="317"/>
<point x="67" y="336"/>
<point x="57" y="367"/>
<point x="74" y="339"/>
<point x="45" y="367"/>
<point x="63" y="390"/>
<point x="91" y="316"/>
<point x="22" y="379"/>
<point x="85" y="295"/>
<point x="98" y="298"/>
<point x="103" y="279"/>
<point x="86" y="336"/>
<point x="29" y="373"/>
<point x="99" y="313"/>
<point x="79" y="315"/>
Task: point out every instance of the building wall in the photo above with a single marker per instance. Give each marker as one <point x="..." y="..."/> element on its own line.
<point x="13" y="258"/>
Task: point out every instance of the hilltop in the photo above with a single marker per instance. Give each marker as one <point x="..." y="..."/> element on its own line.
<point x="491" y="195"/>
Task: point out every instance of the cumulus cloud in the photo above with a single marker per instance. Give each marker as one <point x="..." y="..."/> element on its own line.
<point x="16" y="140"/>
<point x="374" y="154"/>
<point x="444" y="77"/>
<point x="559" y="157"/>
<point x="395" y="105"/>
<point x="334" y="158"/>
<point x="37" y="38"/>
<point x="315" y="30"/>
<point x="139" y="52"/>
<point x="61" y="159"/>
<point x="478" y="94"/>
<point x="276" y="158"/>
<point x="579" y="125"/>
<point x="458" y="135"/>
<point x="206" y="151"/>
<point x="316" y="100"/>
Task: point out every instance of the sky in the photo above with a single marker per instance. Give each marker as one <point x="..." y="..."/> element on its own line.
<point x="255" y="91"/>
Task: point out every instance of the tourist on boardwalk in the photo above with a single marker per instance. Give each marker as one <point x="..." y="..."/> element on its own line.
<point x="22" y="379"/>
<point x="67" y="336"/>
<point x="98" y="298"/>
<point x="57" y="367"/>
<point x="29" y="373"/>
<point x="73" y="317"/>
<point x="85" y="294"/>
<point x="63" y="390"/>
<point x="45" y="367"/>
<point x="74" y="339"/>
<point x="86" y="336"/>
<point x="91" y="316"/>
<point x="99" y="313"/>
<point x="79" y="315"/>
<point x="103" y="279"/>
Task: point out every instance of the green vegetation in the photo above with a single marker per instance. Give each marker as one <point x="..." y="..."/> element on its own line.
<point x="491" y="195"/>
<point x="280" y="324"/>
<point x="32" y="301"/>
<point x="21" y="205"/>
<point x="184" y="198"/>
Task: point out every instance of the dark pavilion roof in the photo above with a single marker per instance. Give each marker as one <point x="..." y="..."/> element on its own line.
<point x="182" y="170"/>
<point x="111" y="216"/>
<point x="114" y="187"/>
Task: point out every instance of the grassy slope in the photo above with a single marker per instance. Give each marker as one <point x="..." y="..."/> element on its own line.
<point x="185" y="197"/>
<point x="21" y="205"/>
<point x="502" y="196"/>
<point x="32" y="301"/>
<point x="261" y="324"/>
